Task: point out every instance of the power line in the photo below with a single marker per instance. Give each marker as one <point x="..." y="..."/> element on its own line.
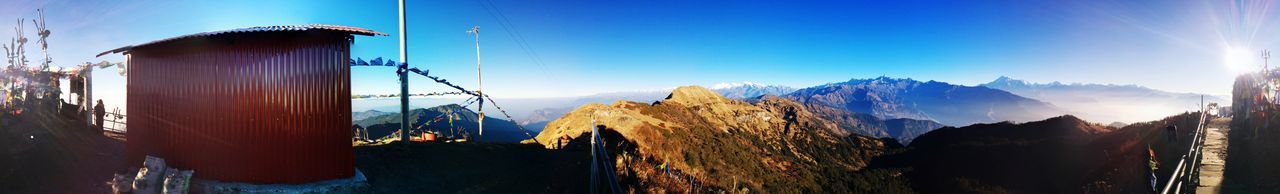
<point x="515" y="35"/>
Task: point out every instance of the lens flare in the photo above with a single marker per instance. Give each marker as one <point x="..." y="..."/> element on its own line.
<point x="1238" y="59"/>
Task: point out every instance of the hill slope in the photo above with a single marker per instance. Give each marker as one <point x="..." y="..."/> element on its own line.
<point x="901" y="129"/>
<point x="1058" y="155"/>
<point x="723" y="144"/>
<point x="906" y="130"/>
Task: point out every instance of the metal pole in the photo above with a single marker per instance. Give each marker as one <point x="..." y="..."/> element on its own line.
<point x="404" y="80"/>
<point x="479" y="83"/>
<point x="88" y="93"/>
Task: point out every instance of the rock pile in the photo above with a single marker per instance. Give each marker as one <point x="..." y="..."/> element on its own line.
<point x="153" y="177"/>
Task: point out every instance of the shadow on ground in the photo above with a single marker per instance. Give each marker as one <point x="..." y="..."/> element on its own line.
<point x="473" y="168"/>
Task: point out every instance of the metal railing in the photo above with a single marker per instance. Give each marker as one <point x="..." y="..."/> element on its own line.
<point x="114" y="122"/>
<point x="1187" y="173"/>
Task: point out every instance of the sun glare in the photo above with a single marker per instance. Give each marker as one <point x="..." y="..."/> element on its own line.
<point x="1238" y="59"/>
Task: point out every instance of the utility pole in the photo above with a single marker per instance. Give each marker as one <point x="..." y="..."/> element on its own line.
<point x="475" y="30"/>
<point x="404" y="79"/>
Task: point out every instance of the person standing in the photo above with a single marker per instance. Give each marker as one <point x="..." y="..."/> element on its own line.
<point x="98" y="112"/>
<point x="1172" y="130"/>
<point x="790" y="117"/>
<point x="1153" y="165"/>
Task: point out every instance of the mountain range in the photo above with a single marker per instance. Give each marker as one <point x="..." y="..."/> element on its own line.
<point x="882" y="107"/>
<point x="1105" y="103"/>
<point x="746" y="89"/>
<point x="954" y="105"/>
<point x="905" y="108"/>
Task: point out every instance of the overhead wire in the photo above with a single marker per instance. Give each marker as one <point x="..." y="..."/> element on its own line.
<point x="461" y="91"/>
<point x="509" y="118"/>
<point x="515" y="35"/>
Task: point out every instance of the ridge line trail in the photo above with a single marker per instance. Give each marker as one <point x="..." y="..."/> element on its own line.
<point x="1215" y="149"/>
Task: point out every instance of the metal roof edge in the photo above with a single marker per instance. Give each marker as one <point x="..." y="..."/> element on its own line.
<point x="285" y="28"/>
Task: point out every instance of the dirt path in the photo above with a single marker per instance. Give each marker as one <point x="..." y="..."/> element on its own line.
<point x="1215" y="151"/>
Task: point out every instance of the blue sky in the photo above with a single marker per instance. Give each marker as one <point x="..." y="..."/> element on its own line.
<point x="590" y="47"/>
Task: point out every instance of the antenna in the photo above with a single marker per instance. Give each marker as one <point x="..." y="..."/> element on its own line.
<point x="1266" y="55"/>
<point x="475" y="30"/>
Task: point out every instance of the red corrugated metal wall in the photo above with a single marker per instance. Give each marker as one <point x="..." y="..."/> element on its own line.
<point x="269" y="107"/>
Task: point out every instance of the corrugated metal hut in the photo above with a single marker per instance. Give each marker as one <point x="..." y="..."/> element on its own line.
<point x="255" y="105"/>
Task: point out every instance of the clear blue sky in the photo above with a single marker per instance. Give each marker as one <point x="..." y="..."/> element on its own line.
<point x="602" y="46"/>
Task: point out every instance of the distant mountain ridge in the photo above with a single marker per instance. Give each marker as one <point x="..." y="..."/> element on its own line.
<point x="954" y="105"/>
<point x="1105" y="103"/>
<point x="357" y="116"/>
<point x="744" y="90"/>
<point x="495" y="130"/>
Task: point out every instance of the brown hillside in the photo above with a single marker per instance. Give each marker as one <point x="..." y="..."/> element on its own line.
<point x="1058" y="155"/>
<point x="713" y="143"/>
